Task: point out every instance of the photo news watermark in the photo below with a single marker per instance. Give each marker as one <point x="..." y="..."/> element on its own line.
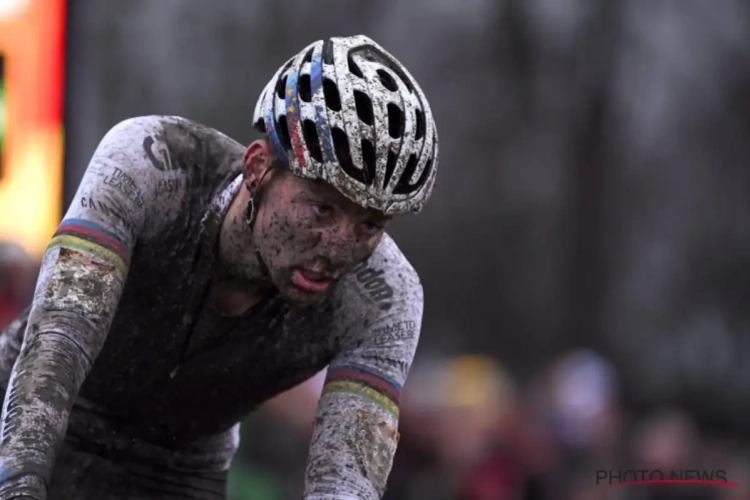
<point x="634" y="477"/>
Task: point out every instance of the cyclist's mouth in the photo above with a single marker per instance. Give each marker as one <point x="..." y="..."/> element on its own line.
<point x="310" y="281"/>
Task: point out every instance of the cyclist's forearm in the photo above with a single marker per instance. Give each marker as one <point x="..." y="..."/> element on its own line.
<point x="352" y="447"/>
<point x="79" y="286"/>
<point x="45" y="380"/>
<point x="28" y="487"/>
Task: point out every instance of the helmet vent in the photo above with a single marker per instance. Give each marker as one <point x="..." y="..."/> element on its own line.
<point x="344" y="156"/>
<point x="364" y="107"/>
<point x="390" y="167"/>
<point x="387" y="80"/>
<point x="282" y="127"/>
<point x="304" y="89"/>
<point x="403" y="186"/>
<point x="420" y="124"/>
<point x="310" y="134"/>
<point x="331" y="94"/>
<point x="353" y="68"/>
<point x="281" y="88"/>
<point x="368" y="157"/>
<point x="396" y="121"/>
<point x="308" y="56"/>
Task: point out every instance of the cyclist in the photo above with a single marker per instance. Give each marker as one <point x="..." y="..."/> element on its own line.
<point x="193" y="279"/>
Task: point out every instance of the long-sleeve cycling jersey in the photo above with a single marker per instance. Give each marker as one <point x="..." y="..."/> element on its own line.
<point x="122" y="351"/>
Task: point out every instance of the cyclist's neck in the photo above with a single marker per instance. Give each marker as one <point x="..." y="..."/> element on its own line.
<point x="239" y="267"/>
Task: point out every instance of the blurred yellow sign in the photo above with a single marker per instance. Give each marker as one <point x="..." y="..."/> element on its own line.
<point x="32" y="49"/>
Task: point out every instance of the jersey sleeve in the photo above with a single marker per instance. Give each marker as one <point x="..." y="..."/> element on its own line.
<point x="356" y="428"/>
<point x="82" y="276"/>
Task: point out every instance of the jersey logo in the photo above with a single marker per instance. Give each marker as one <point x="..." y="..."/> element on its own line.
<point x="163" y="165"/>
<point x="392" y="334"/>
<point x="374" y="284"/>
<point x="121" y="181"/>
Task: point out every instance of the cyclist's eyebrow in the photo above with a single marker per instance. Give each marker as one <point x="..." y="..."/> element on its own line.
<point x="383" y="219"/>
<point x="378" y="216"/>
<point x="325" y="192"/>
<point x="317" y="196"/>
<point x="319" y="190"/>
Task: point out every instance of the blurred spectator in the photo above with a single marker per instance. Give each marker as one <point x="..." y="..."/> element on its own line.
<point x="669" y="440"/>
<point x="575" y="415"/>
<point x="585" y="402"/>
<point x="666" y="440"/>
<point x="16" y="281"/>
<point x="451" y="416"/>
<point x="738" y="471"/>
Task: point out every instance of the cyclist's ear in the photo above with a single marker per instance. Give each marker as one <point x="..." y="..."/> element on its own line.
<point x="258" y="159"/>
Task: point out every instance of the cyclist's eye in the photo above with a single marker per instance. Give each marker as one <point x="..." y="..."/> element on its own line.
<point x="370" y="228"/>
<point x="321" y="210"/>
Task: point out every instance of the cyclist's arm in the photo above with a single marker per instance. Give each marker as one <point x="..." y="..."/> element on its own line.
<point x="355" y="434"/>
<point x="82" y="275"/>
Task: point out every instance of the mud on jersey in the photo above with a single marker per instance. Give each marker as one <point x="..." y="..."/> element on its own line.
<point x="122" y="350"/>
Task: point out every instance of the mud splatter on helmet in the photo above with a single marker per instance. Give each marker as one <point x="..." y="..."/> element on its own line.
<point x="346" y="111"/>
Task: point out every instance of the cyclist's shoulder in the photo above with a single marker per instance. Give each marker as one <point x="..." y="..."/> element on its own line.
<point x="170" y="141"/>
<point x="385" y="283"/>
<point x="389" y="258"/>
<point x="148" y="170"/>
<point x="171" y="126"/>
<point x="380" y="313"/>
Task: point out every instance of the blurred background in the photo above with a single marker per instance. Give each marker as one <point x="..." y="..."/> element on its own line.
<point x="585" y="255"/>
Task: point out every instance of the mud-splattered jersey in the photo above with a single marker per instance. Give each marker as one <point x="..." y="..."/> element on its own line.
<point x="120" y="332"/>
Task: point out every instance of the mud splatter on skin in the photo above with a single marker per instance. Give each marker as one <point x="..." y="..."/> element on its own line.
<point x="147" y="313"/>
<point x="300" y="225"/>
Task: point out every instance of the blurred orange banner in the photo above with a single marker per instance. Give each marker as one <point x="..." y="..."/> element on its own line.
<point x="32" y="46"/>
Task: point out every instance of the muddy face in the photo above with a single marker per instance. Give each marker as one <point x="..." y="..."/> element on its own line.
<point x="309" y="235"/>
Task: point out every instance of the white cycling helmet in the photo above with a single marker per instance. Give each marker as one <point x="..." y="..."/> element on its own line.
<point x="347" y="112"/>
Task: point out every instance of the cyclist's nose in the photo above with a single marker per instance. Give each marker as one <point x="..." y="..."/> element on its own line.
<point x="341" y="234"/>
<point x="340" y="242"/>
